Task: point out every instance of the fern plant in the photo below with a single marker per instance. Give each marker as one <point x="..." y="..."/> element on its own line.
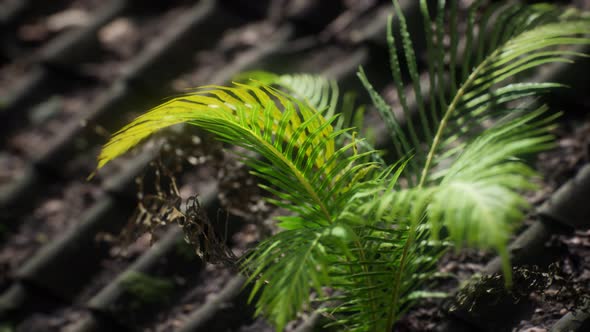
<point x="362" y="243"/>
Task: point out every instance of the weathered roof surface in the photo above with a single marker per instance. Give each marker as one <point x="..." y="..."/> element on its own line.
<point x="72" y="71"/>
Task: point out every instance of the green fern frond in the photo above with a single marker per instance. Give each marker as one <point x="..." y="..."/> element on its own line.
<point x="322" y="93"/>
<point x="522" y="38"/>
<point x="461" y="180"/>
<point x="478" y="198"/>
<point x="297" y="143"/>
<point x="243" y="108"/>
<point x="291" y="263"/>
<point x="304" y="168"/>
<point x="525" y="41"/>
<point x="367" y="299"/>
<point x="477" y="201"/>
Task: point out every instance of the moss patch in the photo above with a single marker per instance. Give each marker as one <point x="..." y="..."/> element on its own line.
<point x="148" y="289"/>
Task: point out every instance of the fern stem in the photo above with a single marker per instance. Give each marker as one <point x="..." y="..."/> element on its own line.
<point x="444" y="121"/>
<point x="439" y="47"/>
<point x="398" y="278"/>
<point x="454" y="48"/>
<point x="369" y="281"/>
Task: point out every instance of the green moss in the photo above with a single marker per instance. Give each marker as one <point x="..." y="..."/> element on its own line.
<point x="147" y="289"/>
<point x="4" y="327"/>
<point x="185" y="250"/>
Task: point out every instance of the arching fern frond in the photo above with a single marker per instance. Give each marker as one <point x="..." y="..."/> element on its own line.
<point x="465" y="179"/>
<point x="380" y="278"/>
<point x="477" y="201"/>
<point x="364" y="282"/>
<point x="305" y="169"/>
<point x="290" y="260"/>
<point x="288" y="266"/>
<point x="512" y="39"/>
